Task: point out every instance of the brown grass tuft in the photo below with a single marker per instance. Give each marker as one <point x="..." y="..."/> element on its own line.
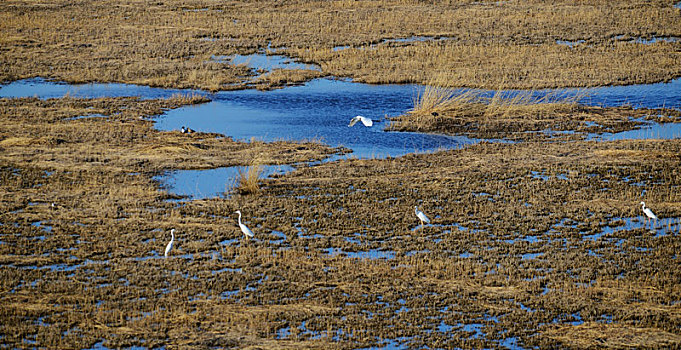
<point x="248" y="179"/>
<point x="598" y="335"/>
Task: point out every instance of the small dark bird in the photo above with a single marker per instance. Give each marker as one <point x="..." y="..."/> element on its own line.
<point x="435" y="114"/>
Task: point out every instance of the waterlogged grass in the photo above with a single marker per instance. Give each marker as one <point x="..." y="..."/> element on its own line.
<point x="530" y="244"/>
<point x="49" y="134"/>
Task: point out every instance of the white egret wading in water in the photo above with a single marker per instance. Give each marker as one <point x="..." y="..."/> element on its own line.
<point x="170" y="244"/>
<point x="244" y="229"/>
<point x="649" y="213"/>
<point x="366" y="121"/>
<point x="421" y="216"/>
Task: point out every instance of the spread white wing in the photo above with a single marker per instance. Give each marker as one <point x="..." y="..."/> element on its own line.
<point x="366" y="121"/>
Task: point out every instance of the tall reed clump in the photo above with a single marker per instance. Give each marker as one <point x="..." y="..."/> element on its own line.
<point x="248" y="179"/>
<point x="511" y="103"/>
<point x="435" y="98"/>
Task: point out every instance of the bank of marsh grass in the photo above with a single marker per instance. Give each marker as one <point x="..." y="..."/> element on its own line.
<point x="518" y="115"/>
<point x="486" y="45"/>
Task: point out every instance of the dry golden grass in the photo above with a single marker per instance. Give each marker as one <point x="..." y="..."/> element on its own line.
<point x="517" y="115"/>
<point x="434" y="98"/>
<point x="614" y="336"/>
<point x="504" y="65"/>
<point x="509" y="44"/>
<point x="285" y="77"/>
<point x="248" y="179"/>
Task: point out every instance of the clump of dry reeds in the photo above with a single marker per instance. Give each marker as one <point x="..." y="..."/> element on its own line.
<point x="248" y="179"/>
<point x="188" y="99"/>
<point x="438" y="99"/>
<point x="530" y="102"/>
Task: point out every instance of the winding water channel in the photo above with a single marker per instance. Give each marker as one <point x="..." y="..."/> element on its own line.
<point x="320" y="110"/>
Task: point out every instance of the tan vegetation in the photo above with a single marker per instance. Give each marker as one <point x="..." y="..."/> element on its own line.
<point x="517" y="115"/>
<point x="600" y="335"/>
<point x="507" y="44"/>
<point x="57" y="134"/>
<point x="285" y="77"/>
<point x="248" y="179"/>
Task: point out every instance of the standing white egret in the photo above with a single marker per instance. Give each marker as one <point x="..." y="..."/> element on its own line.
<point x="170" y="244"/>
<point x="649" y="213"/>
<point x="366" y="121"/>
<point x="421" y="216"/>
<point x="244" y="229"/>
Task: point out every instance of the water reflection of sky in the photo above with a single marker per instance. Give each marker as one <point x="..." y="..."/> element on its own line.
<point x="651" y="131"/>
<point x="210" y="182"/>
<point x="321" y="110"/>
<point x="265" y="62"/>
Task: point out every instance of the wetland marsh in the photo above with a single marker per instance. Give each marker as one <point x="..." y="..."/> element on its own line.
<point x="536" y="239"/>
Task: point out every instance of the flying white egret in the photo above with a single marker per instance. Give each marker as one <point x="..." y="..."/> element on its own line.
<point x="366" y="121"/>
<point x="170" y="244"/>
<point x="649" y="213"/>
<point x="421" y="216"/>
<point x="244" y="229"/>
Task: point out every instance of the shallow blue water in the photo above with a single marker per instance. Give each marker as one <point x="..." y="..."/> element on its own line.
<point x="210" y="182"/>
<point x="265" y="62"/>
<point x="321" y="110"/>
<point x="41" y="88"/>
<point x="650" y="131"/>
